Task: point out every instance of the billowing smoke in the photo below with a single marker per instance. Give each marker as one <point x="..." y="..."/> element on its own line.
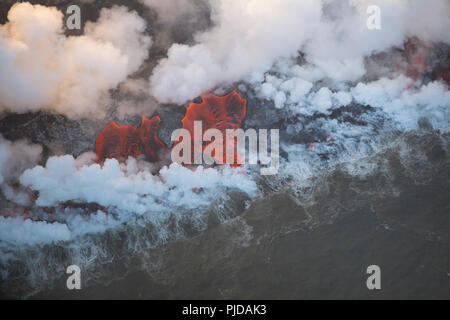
<point x="41" y="68"/>
<point x="129" y="187"/>
<point x="294" y="88"/>
<point x="14" y="159"/>
<point x="407" y="106"/>
<point x="126" y="31"/>
<point x="249" y="36"/>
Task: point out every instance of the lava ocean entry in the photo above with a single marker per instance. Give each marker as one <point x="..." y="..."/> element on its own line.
<point x="121" y="142"/>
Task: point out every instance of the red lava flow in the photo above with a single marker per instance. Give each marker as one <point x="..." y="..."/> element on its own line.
<point x="222" y="113"/>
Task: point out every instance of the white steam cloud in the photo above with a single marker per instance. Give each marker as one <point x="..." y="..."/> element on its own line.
<point x="405" y="100"/>
<point x="129" y="187"/>
<point x="14" y="159"/>
<point x="41" y="68"/>
<point x="250" y="35"/>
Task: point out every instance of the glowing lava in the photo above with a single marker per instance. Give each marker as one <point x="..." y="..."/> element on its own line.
<point x="220" y="113"/>
<point x="127" y="141"/>
<point x="215" y="112"/>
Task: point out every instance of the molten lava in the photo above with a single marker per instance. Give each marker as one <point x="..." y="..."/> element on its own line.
<point x="127" y="141"/>
<point x="220" y="113"/>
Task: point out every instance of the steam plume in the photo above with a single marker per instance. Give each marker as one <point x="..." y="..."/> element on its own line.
<point x="41" y="68"/>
